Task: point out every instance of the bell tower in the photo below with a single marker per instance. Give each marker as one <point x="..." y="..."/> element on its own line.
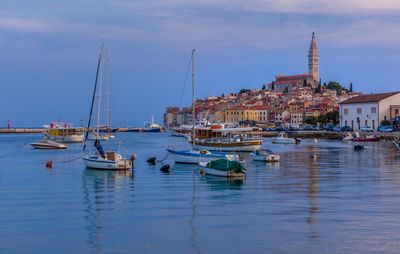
<point x="313" y="59"/>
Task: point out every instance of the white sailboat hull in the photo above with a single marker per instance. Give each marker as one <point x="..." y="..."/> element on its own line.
<point x="283" y="141"/>
<point x="266" y="158"/>
<point x="97" y="162"/>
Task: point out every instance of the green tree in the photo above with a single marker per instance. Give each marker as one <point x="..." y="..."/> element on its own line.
<point x="318" y="89"/>
<point x="304" y="82"/>
<point x="273" y="86"/>
<point x="263" y="87"/>
<point x="351" y="87"/>
<point x="385" y="122"/>
<point x="244" y="91"/>
<point x="286" y="90"/>
<point x="333" y="117"/>
<point x="312" y="120"/>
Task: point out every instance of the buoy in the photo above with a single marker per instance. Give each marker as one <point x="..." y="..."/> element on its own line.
<point x="202" y="172"/>
<point x="49" y="164"/>
<point x="152" y="160"/>
<point x="313" y="156"/>
<point x="166" y="168"/>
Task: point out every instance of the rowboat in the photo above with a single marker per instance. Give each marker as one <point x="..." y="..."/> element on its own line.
<point x="222" y="167"/>
<point x="265" y="155"/>
<point x="368" y="138"/>
<point x="283" y="138"/>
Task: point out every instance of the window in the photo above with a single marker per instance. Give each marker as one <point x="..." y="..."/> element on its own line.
<point x="359" y="111"/>
<point x="366" y="122"/>
<point x="346" y="111"/>
<point x="396" y="111"/>
<point x="373" y="110"/>
<point x="345" y="123"/>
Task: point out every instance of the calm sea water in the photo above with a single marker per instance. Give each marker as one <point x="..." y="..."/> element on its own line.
<point x="342" y="202"/>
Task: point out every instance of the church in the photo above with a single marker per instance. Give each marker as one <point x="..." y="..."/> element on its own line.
<point x="282" y="82"/>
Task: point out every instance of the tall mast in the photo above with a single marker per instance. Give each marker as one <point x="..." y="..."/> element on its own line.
<point x="108" y="88"/>
<point x="100" y="89"/>
<point x="193" y="101"/>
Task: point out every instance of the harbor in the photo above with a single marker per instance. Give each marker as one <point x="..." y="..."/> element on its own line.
<point x="340" y="195"/>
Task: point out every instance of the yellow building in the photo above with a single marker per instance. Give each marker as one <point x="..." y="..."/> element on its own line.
<point x="237" y="114"/>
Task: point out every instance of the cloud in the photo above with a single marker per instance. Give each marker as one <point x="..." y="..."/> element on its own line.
<point x="26" y="25"/>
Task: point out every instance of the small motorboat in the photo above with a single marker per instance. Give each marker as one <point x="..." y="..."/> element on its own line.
<point x="348" y="137"/>
<point x="283" y="138"/>
<point x="222" y="167"/>
<point x="48" y="144"/>
<point x="265" y="155"/>
<point x="368" y="138"/>
<point x="196" y="156"/>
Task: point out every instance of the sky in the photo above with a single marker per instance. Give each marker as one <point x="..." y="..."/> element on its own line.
<point x="49" y="51"/>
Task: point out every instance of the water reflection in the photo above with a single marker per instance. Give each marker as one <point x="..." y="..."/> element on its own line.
<point x="103" y="191"/>
<point x="313" y="189"/>
<point x="223" y="183"/>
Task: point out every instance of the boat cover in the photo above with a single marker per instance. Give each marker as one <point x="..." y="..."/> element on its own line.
<point x="226" y="165"/>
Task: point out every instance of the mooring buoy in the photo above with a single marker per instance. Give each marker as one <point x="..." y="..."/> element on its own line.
<point x="152" y="160"/>
<point x="49" y="164"/>
<point x="165" y="168"/>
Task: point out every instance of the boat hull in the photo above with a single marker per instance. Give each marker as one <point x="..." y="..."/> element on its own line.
<point x="243" y="146"/>
<point x="283" y="141"/>
<point x="48" y="146"/>
<point x="366" y="139"/>
<point x="203" y="169"/>
<point x="151" y="129"/>
<point x="188" y="157"/>
<point x="97" y="162"/>
<point x="266" y="158"/>
<point x="67" y="139"/>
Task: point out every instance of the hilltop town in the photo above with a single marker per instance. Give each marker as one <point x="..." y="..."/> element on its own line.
<point x="294" y="100"/>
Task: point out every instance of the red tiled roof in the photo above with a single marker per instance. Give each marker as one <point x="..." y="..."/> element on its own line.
<point x="368" y="98"/>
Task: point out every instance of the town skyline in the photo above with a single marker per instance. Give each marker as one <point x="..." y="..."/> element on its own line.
<point x="49" y="53"/>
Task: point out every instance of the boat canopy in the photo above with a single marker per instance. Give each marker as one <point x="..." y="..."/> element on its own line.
<point x="226" y="165"/>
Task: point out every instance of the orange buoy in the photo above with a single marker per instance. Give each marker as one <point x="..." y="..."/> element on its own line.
<point x="49" y="164"/>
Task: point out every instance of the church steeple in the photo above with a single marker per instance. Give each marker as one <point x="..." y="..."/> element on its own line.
<point x="313" y="59"/>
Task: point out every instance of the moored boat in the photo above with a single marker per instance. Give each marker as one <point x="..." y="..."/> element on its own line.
<point x="265" y="155"/>
<point x="229" y="144"/>
<point x="64" y="133"/>
<point x="197" y="156"/>
<point x="367" y="138"/>
<point x="152" y="127"/>
<point x="48" y="144"/>
<point x="100" y="159"/>
<point x="283" y="138"/>
<point x="222" y="167"/>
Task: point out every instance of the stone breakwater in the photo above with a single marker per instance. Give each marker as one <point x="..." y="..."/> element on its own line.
<point x="22" y="130"/>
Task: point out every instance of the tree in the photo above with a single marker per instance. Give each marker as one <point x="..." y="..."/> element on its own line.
<point x="333" y="117"/>
<point x="320" y="82"/>
<point x="263" y="87"/>
<point x="324" y="83"/>
<point x="318" y="89"/>
<point x="385" y="122"/>
<point x="273" y="86"/>
<point x="223" y="95"/>
<point x="304" y="82"/>
<point x="244" y="91"/>
<point x="286" y="90"/>
<point x="312" y="120"/>
<point x="351" y="87"/>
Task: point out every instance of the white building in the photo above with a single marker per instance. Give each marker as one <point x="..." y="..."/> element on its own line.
<point x="368" y="110"/>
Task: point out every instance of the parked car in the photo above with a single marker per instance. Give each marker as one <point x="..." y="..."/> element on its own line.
<point x="280" y="128"/>
<point x="385" y="128"/>
<point x="308" y="128"/>
<point x="346" y="129"/>
<point x="367" y="129"/>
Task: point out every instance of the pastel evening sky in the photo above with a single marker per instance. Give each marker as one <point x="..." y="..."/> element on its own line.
<point x="49" y="51"/>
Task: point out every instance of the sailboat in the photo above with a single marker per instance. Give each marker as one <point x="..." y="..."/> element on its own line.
<point x="100" y="159"/>
<point x="196" y="156"/>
